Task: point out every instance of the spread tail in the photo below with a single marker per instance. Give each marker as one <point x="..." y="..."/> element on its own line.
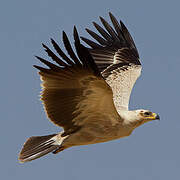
<point x="38" y="146"/>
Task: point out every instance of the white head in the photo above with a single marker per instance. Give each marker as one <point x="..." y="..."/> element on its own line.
<point x="138" y="117"/>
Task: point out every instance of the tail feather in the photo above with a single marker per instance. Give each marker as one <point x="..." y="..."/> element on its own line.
<point x="38" y="146"/>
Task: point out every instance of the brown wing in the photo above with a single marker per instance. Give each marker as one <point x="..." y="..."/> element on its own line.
<point x="116" y="57"/>
<point x="74" y="89"/>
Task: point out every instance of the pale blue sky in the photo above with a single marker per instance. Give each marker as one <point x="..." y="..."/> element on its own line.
<point x="152" y="151"/>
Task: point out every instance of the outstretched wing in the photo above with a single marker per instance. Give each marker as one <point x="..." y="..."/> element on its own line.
<point x="117" y="58"/>
<point x="74" y="89"/>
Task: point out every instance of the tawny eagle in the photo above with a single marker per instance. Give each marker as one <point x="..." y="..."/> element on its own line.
<point x="87" y="93"/>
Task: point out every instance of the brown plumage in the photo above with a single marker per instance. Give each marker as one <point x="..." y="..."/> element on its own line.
<point x="86" y="95"/>
<point x="72" y="92"/>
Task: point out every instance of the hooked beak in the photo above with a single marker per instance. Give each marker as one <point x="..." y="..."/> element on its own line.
<point x="155" y="116"/>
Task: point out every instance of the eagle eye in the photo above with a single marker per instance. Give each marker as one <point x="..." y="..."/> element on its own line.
<point x="147" y="113"/>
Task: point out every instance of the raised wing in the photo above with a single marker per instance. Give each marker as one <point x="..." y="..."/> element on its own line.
<point x="74" y="89"/>
<point x="117" y="58"/>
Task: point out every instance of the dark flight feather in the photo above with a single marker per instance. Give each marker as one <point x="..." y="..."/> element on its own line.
<point x="61" y="90"/>
<point x="116" y="46"/>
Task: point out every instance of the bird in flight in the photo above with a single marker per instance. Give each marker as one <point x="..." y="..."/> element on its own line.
<point x="87" y="91"/>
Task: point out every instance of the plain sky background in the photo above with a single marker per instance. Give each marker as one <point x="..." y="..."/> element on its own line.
<point x="152" y="151"/>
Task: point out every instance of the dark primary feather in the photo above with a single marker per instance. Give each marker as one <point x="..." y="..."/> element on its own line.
<point x="91" y="43"/>
<point x="53" y="56"/>
<point x="84" y="56"/>
<point x="69" y="49"/>
<point x="60" y="52"/>
<point x="47" y="63"/>
<point x="97" y="37"/>
<point x="66" y="84"/>
<point x="102" y="32"/>
<point x="109" y="29"/>
<point x="116" y="47"/>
